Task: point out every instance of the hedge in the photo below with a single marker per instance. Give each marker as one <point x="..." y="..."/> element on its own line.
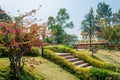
<point x="2" y="51"/>
<point x="102" y="74"/>
<point x="113" y="67"/>
<point x="81" y="73"/>
<point x="81" y="55"/>
<point x="36" y="51"/>
<point x="25" y="74"/>
<point x="86" y="57"/>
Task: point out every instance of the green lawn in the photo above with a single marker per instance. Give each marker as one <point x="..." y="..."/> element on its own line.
<point x="108" y="56"/>
<point x="47" y="70"/>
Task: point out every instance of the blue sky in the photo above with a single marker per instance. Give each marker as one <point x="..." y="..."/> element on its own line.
<point x="76" y="9"/>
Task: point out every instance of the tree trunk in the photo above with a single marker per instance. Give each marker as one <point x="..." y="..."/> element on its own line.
<point x="15" y="63"/>
<point x="15" y="68"/>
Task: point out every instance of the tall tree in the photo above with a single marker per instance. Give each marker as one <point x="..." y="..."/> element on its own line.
<point x="58" y="24"/>
<point x="70" y="39"/>
<point x="89" y="22"/>
<point x="103" y="17"/>
<point x="113" y="35"/>
<point x="58" y="34"/>
<point x="116" y="18"/>
<point x="88" y="25"/>
<point x="104" y="12"/>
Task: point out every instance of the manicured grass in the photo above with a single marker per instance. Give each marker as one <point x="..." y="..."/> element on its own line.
<point x="44" y="71"/>
<point x="109" y="56"/>
<point x="106" y="56"/>
<point x="51" y="71"/>
<point x="4" y="62"/>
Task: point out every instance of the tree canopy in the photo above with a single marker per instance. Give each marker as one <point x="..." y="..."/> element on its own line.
<point x="58" y="25"/>
<point x="116" y="18"/>
<point x="89" y="22"/>
<point x="104" y="12"/>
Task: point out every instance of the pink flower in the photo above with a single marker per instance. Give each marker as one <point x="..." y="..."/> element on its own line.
<point x="42" y="45"/>
<point x="1" y="26"/>
<point x="1" y="32"/>
<point x="15" y="44"/>
<point x="13" y="31"/>
<point x="8" y="29"/>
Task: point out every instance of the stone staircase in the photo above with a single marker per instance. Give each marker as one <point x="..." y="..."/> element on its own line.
<point x="71" y="58"/>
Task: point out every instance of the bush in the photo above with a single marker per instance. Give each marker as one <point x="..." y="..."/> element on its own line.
<point x="2" y="51"/>
<point x="58" y="48"/>
<point x="82" y="73"/>
<point x="81" y="55"/>
<point x="113" y="67"/>
<point x="101" y="74"/>
<point x="25" y="74"/>
<point x="34" y="53"/>
<point x="4" y="73"/>
<point x="88" y="58"/>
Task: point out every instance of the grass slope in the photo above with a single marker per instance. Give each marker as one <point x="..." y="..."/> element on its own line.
<point x="108" y="56"/>
<point x="51" y="71"/>
<point x="47" y="70"/>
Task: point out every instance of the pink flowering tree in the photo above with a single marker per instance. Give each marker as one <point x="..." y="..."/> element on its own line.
<point x="17" y="39"/>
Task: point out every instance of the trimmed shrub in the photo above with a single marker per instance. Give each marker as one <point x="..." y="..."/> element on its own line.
<point x="58" y="48"/>
<point x="2" y="51"/>
<point x="81" y="73"/>
<point x="4" y="73"/>
<point x="87" y="58"/>
<point x="81" y="55"/>
<point x="113" y="67"/>
<point x="101" y="74"/>
<point x="34" y="53"/>
<point x="25" y="74"/>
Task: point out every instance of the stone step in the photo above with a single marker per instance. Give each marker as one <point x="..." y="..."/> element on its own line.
<point x="89" y="67"/>
<point x="73" y="59"/>
<point x="78" y="62"/>
<point x="63" y="54"/>
<point x="82" y="65"/>
<point x="69" y="57"/>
